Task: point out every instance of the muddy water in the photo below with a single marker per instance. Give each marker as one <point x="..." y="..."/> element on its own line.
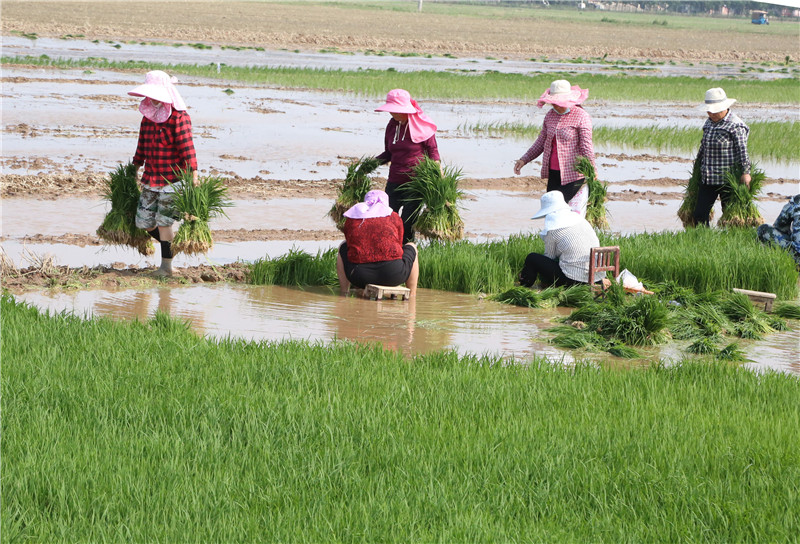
<point x="115" y="51"/>
<point x="86" y="121"/>
<point x="435" y="320"/>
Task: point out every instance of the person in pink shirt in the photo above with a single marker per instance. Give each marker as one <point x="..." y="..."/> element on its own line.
<point x="409" y="137"/>
<point x="566" y="135"/>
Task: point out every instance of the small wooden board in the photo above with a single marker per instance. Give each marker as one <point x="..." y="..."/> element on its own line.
<point x="378" y="292"/>
<point x="760" y="299"/>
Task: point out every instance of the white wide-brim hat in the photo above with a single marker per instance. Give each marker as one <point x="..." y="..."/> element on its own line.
<point x="717" y="101"/>
<point x="551" y="201"/>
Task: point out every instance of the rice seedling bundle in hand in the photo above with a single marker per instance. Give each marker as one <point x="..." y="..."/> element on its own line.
<point x="741" y="209"/>
<point x="686" y="211"/>
<point x="196" y="205"/>
<point x="354" y="188"/>
<point x="433" y="190"/>
<point x="596" y="206"/>
<point x="119" y="224"/>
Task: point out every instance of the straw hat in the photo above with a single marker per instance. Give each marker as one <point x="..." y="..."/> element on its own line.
<point x="562" y="94"/>
<point x="717" y="101"/>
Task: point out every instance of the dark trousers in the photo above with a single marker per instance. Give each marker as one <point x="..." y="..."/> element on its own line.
<point x="569" y="190"/>
<point x="545" y="269"/>
<point x="706" y="196"/>
<point x="398" y="200"/>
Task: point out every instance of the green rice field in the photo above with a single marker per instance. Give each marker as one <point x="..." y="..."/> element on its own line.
<point x="144" y="432"/>
<point x="446" y="85"/>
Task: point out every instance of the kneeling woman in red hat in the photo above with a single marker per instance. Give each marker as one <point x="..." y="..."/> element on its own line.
<point x="373" y="250"/>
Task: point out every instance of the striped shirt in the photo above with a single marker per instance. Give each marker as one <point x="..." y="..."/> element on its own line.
<point x="571" y="246"/>
<point x="165" y="147"/>
<point x="573" y="134"/>
<point x="724" y="145"/>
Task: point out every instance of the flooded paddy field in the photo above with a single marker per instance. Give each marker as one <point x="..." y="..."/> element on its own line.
<point x="284" y="152"/>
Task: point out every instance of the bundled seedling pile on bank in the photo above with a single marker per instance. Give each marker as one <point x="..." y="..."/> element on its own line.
<point x="596" y="206"/>
<point x="354" y="188"/>
<point x="686" y="211"/>
<point x="433" y="189"/>
<point x="196" y="206"/>
<point x="741" y="209"/>
<point x="119" y="224"/>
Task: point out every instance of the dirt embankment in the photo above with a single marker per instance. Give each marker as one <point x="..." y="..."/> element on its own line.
<point x="348" y="28"/>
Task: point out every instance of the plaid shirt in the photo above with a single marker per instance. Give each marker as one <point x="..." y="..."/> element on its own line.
<point x="164" y="147"/>
<point x="724" y="145"/>
<point x="573" y="133"/>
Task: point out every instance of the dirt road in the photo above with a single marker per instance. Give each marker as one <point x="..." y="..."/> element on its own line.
<point x="347" y="28"/>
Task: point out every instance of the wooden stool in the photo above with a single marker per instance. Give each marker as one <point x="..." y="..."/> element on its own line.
<point x="377" y="292"/>
<point x="758" y="298"/>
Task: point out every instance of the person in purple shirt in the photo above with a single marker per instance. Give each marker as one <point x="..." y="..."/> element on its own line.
<point x="410" y="136"/>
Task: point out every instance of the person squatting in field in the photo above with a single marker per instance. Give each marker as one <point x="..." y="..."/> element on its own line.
<point x="568" y="240"/>
<point x="566" y="134"/>
<point x="374" y="250"/>
<point x="724" y="146"/>
<point x="410" y="136"/>
<point x="165" y="147"/>
<point x="785" y="231"/>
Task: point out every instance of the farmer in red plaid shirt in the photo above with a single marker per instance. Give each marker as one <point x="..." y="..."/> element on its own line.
<point x="165" y="148"/>
<point x="566" y="135"/>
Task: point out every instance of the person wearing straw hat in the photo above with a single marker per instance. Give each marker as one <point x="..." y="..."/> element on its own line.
<point x="566" y="134"/>
<point x="165" y="146"/>
<point x="410" y="136"/>
<point x="373" y="250"/>
<point x="568" y="239"/>
<point x="724" y="145"/>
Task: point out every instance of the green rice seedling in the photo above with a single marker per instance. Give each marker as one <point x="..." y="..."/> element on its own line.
<point x="570" y="337"/>
<point x="704" y="346"/>
<point x="119" y="224"/>
<point x="687" y="207"/>
<point x="196" y="205"/>
<point x="296" y="268"/>
<point x="776" y="323"/>
<point x="433" y="189"/>
<point x="748" y="321"/>
<point x="463" y="267"/>
<point x="619" y="349"/>
<point x="354" y="188"/>
<point x="705" y="320"/>
<point x="732" y="352"/>
<point x="519" y="296"/>
<point x="741" y="209"/>
<point x="575" y="296"/>
<point x="787" y="310"/>
<point x="596" y="207"/>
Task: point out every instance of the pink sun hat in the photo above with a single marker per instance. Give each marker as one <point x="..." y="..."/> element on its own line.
<point x="420" y="126"/>
<point x="158" y="86"/>
<point x="376" y="204"/>
<point x="562" y="94"/>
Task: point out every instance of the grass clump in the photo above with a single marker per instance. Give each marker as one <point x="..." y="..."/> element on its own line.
<point x="787" y="310"/>
<point x="741" y="209"/>
<point x="296" y="268"/>
<point x="529" y="298"/>
<point x="354" y="188"/>
<point x="196" y="205"/>
<point x="596" y="206"/>
<point x="119" y="225"/>
<point x="689" y="203"/>
<point x="433" y="190"/>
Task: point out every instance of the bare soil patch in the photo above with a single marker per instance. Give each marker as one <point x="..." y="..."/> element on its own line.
<point x="284" y="25"/>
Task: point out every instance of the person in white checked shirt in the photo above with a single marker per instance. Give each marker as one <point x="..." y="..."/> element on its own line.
<point x="568" y="238"/>
<point x="724" y="145"/>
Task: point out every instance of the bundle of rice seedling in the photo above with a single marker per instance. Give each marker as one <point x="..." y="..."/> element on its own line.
<point x="621" y="350"/>
<point x="519" y="296"/>
<point x="596" y="207"/>
<point x="434" y="191"/>
<point x="119" y="224"/>
<point x="686" y="211"/>
<point x="787" y="310"/>
<point x="741" y="209"/>
<point x="732" y="352"/>
<point x="354" y="188"/>
<point x="196" y="205"/>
